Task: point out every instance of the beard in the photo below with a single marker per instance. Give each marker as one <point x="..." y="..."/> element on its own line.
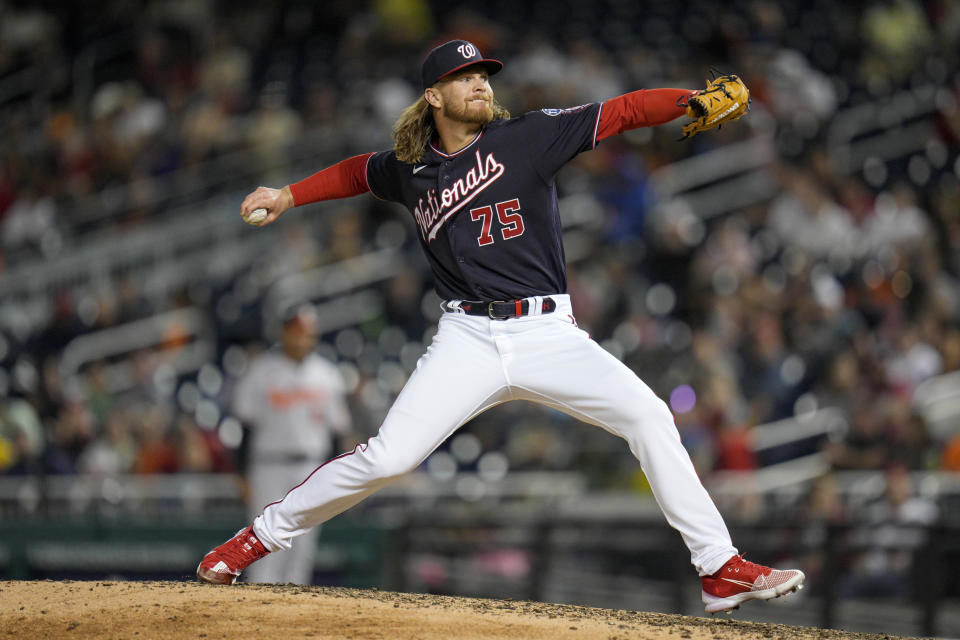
<point x="469" y="112"/>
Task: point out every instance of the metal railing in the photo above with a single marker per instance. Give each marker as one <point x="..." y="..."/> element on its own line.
<point x="190" y="329"/>
<point x="886" y="129"/>
<point x="333" y="288"/>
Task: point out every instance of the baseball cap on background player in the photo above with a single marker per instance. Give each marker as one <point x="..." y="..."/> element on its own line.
<point x="302" y="315"/>
<point x="453" y="56"/>
<point x="299" y="334"/>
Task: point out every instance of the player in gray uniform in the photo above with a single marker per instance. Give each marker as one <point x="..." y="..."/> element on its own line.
<point x="480" y="188"/>
<point x="293" y="402"/>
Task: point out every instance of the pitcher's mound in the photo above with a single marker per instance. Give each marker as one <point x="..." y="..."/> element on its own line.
<point x="175" y="610"/>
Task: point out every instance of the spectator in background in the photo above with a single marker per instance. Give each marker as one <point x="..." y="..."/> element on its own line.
<point x="896" y="34"/>
<point x="950" y="460"/>
<point x="73" y="431"/>
<point x="21" y="437"/>
<point x="114" y="451"/>
<point x="823" y="507"/>
<point x="865" y="446"/>
<point x="894" y="530"/>
<point x="274" y="127"/>
<point x="806" y="217"/>
<point x="292" y="402"/>
<point x="156" y="451"/>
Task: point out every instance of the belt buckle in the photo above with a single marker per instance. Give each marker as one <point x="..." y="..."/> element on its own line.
<point x="497" y="316"/>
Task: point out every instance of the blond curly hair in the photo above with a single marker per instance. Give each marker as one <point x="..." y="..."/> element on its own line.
<point x="415" y="128"/>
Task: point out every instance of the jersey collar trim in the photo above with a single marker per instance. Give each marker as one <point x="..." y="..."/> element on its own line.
<point x="454" y="155"/>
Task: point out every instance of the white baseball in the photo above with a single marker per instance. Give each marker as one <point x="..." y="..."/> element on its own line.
<point x="256" y="216"/>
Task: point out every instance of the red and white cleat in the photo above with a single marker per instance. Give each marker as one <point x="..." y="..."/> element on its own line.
<point x="224" y="564"/>
<point x="740" y="580"/>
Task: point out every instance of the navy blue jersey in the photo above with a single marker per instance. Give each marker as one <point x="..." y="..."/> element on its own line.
<point x="487" y="215"/>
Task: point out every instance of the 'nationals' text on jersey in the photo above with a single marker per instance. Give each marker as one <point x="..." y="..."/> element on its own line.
<point x="487" y="215"/>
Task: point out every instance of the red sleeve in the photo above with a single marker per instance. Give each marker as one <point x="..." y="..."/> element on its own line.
<point x="342" y="180"/>
<point x="644" y="108"/>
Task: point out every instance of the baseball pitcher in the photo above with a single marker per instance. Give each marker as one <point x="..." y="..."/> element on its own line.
<point x="481" y="189"/>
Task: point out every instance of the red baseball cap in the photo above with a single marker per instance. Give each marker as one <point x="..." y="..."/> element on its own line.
<point x="453" y="56"/>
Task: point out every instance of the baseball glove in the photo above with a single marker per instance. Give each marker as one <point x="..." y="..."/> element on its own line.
<point x="725" y="99"/>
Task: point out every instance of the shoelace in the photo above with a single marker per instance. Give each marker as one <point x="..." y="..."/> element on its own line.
<point x="242" y="553"/>
<point x="746" y="566"/>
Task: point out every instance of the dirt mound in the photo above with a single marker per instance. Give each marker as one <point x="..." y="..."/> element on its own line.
<point x="153" y="610"/>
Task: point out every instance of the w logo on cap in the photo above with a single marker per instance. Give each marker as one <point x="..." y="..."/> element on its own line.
<point x="452" y="56"/>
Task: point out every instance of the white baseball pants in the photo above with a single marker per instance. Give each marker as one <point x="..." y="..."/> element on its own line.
<point x="475" y="363"/>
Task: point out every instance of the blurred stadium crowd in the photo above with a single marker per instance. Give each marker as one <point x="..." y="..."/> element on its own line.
<point x="841" y="289"/>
